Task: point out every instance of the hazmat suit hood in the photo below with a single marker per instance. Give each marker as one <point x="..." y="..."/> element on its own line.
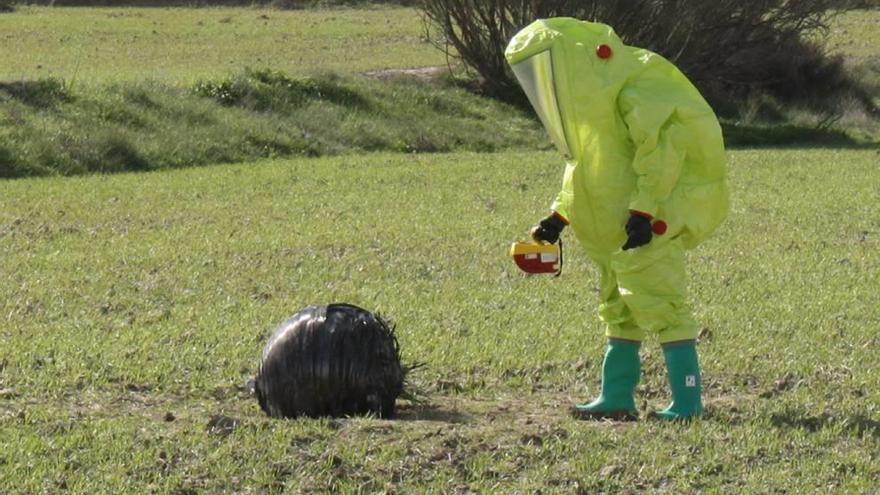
<point x="634" y="132"/>
<point x="556" y="62"/>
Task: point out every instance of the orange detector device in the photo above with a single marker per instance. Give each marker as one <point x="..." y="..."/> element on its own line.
<point x="534" y="258"/>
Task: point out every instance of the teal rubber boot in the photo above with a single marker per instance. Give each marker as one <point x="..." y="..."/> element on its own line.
<point x="620" y="375"/>
<point x="684" y="381"/>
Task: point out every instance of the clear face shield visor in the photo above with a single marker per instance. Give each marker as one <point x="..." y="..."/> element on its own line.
<point x="535" y="76"/>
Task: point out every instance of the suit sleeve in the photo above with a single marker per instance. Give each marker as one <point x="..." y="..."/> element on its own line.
<point x="562" y="203"/>
<point x="649" y="112"/>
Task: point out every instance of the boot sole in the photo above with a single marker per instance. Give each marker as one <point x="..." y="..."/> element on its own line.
<point x="603" y="415"/>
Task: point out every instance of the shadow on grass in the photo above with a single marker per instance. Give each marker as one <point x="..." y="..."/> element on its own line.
<point x="117" y="155"/>
<point x="753" y="136"/>
<point x="431" y="412"/>
<point x="7" y="164"/>
<point x="267" y="90"/>
<point x="43" y="93"/>
<point x="858" y="424"/>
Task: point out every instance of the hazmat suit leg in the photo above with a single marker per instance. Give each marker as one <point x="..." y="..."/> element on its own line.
<point x="645" y="289"/>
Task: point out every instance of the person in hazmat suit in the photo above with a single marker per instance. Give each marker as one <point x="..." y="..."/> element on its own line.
<point x="644" y="181"/>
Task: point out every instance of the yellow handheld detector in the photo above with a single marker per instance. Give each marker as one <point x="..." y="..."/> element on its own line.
<point x="533" y="257"/>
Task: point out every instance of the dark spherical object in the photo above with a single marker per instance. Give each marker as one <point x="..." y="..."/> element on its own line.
<point x="334" y="360"/>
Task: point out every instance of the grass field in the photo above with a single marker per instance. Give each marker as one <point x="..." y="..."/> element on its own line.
<point x="179" y="45"/>
<point x="257" y="113"/>
<point x="135" y="308"/>
<point x="185" y="45"/>
<point x="86" y="90"/>
<point x="855" y="34"/>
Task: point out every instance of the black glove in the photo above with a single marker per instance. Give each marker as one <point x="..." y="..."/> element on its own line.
<point x="638" y="231"/>
<point x="548" y="229"/>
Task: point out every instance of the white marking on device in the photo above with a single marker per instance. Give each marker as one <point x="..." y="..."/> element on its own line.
<point x="548" y="257"/>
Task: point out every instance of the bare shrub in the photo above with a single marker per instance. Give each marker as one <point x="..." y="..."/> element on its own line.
<point x="729" y="48"/>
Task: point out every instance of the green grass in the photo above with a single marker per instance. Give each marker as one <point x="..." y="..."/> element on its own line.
<point x="183" y="45"/>
<point x="144" y="89"/>
<point x="135" y="308"/>
<point x="125" y="89"/>
<point x="49" y="129"/>
<point x="831" y="120"/>
<point x="855" y="34"/>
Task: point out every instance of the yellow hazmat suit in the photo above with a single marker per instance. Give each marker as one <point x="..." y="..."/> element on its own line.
<point x="638" y="138"/>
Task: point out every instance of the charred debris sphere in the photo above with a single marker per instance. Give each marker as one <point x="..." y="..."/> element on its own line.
<point x="331" y="360"/>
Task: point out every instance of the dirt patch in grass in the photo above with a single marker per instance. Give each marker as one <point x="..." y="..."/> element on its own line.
<point x="425" y="74"/>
